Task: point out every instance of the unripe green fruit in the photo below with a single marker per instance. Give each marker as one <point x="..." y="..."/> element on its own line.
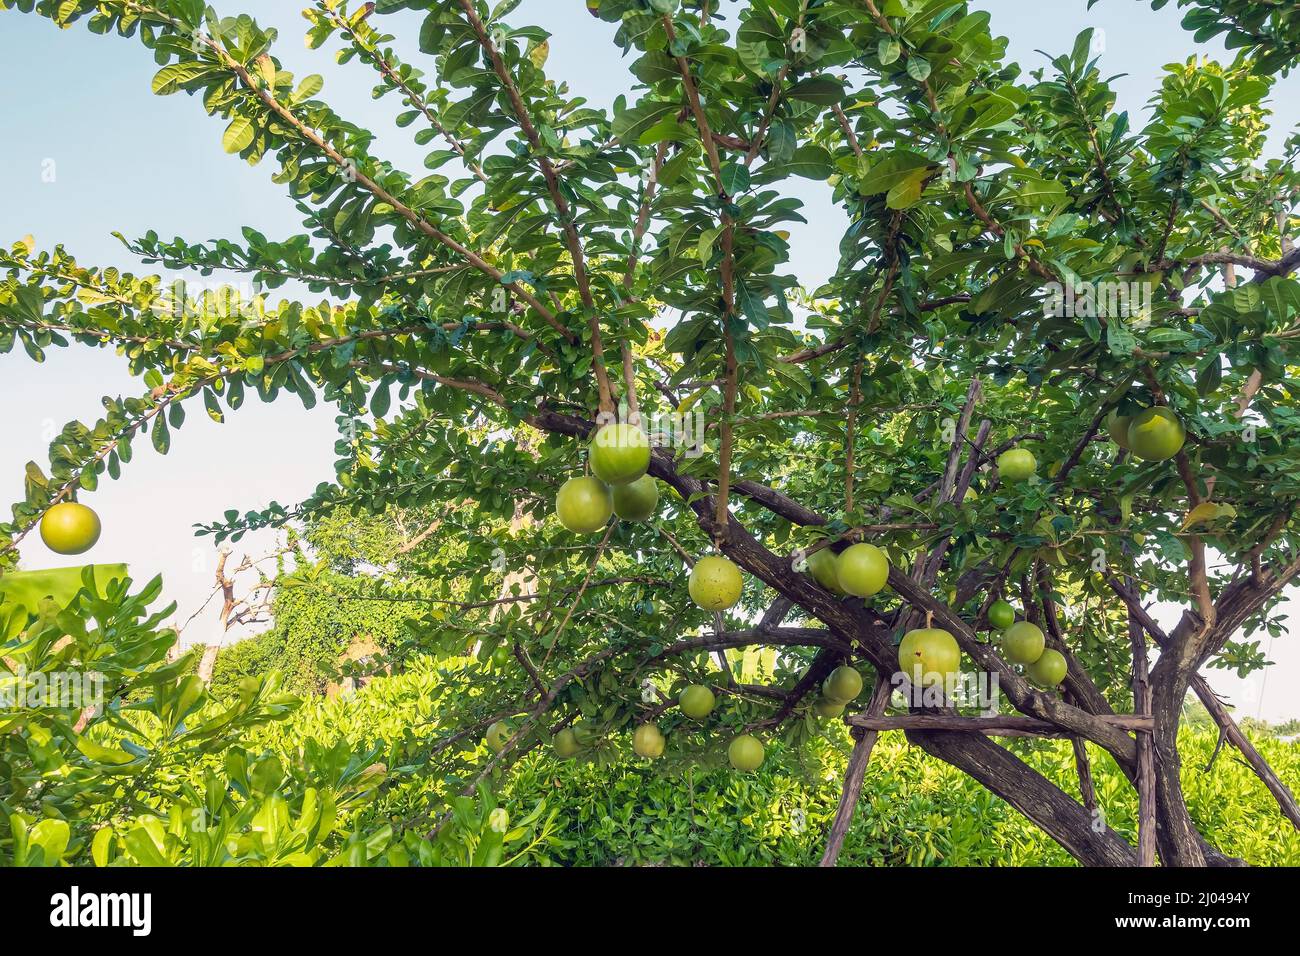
<point x="844" y="684"/>
<point x="566" y="744"/>
<point x="863" y="570"/>
<point x="1156" y="434"/>
<point x="823" y="565"/>
<point x="497" y="736"/>
<point x="70" y="528"/>
<point x="697" y="702"/>
<point x="648" y="741"/>
<point x="825" y="707"/>
<point x="501" y="656"/>
<point x="1049" y="670"/>
<point x="1001" y="615"/>
<point x="745" y="753"/>
<point x="1022" y="643"/>
<point x="715" y="583"/>
<point x="636" y="501"/>
<point x="1017" y="464"/>
<point x="1118" y="425"/>
<point x="620" y="454"/>
<point x="934" y="652"/>
<point x="584" y="505"/>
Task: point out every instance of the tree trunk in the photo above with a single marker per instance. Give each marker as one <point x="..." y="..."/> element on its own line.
<point x="208" y="663"/>
<point x="1060" y="816"/>
<point x="856" y="771"/>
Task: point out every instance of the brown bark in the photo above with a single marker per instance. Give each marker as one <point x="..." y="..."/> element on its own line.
<point x="865" y="742"/>
<point x="1010" y="723"/>
<point x="1219" y="714"/>
<point x="1057" y="813"/>
<point x="1146" y="751"/>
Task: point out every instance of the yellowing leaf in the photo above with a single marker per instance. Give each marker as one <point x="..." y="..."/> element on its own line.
<point x="1207" y="512"/>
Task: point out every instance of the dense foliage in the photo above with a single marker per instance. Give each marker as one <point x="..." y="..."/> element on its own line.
<point x="1022" y="263"/>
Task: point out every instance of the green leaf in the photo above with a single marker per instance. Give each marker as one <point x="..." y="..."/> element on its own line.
<point x="171" y="78"/>
<point x="811" y="162"/>
<point x="105" y="755"/>
<point x="1039" y="192"/>
<point x="161" y="435"/>
<point x="821" y="90"/>
<point x="896" y="166"/>
<point x="239" y="135"/>
<point x="735" y="179"/>
<point x="28" y="588"/>
<point x="1121" y="341"/>
<point x="634" y="121"/>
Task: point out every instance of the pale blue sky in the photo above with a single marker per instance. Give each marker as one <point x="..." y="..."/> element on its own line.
<point x="125" y="160"/>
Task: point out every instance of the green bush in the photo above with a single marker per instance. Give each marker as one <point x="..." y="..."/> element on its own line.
<point x="914" y="811"/>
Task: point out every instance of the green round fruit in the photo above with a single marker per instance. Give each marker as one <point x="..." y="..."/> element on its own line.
<point x="1022" y="643"/>
<point x="620" y="454"/>
<point x="1156" y="434"/>
<point x="1118" y="425"/>
<point x="825" y="707"/>
<point x="636" y="501"/>
<point x="1049" y="670"/>
<point x="863" y="570"/>
<point x="584" y="505"/>
<point x="1018" y="464"/>
<point x="715" y="583"/>
<point x="566" y="744"/>
<point x="1001" y="615"/>
<point x="70" y="528"/>
<point x="648" y="742"/>
<point x="823" y="565"/>
<point x="501" y="656"/>
<point x="934" y="652"/>
<point x="843" y="685"/>
<point x="745" y="753"/>
<point x="497" y="736"/>
<point x="696" y="702"/>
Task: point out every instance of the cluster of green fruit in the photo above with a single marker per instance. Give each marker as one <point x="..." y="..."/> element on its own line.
<point x="862" y="570"/>
<point x="70" y="528"/>
<point x="1023" y="642"/>
<point x="619" y="485"/>
<point x="838" y="690"/>
<point x="745" y="752"/>
<point x="1156" y="434"/>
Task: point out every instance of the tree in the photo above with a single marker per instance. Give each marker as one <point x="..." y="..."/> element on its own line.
<point x="1021" y="263"/>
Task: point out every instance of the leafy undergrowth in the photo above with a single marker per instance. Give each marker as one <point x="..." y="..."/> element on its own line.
<point x="915" y="811"/>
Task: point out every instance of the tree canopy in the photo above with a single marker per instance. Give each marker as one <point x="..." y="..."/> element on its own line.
<point x="1023" y="265"/>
